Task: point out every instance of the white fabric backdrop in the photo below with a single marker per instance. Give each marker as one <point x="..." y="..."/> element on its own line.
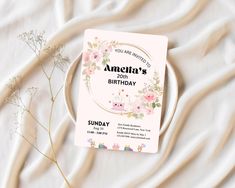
<point x="198" y="148"/>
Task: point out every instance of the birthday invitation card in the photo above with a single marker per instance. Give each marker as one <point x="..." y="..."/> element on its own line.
<point x="121" y="91"/>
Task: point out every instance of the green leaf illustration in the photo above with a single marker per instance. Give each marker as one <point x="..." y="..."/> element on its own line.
<point x="158" y="104"/>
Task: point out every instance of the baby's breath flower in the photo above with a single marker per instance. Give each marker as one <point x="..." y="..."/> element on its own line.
<point x="34" y="39"/>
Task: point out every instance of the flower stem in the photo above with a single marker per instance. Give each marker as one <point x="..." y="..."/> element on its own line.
<point x="50" y="137"/>
<point x="61" y="172"/>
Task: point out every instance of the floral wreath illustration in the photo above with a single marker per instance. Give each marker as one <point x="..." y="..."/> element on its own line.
<point x="147" y="99"/>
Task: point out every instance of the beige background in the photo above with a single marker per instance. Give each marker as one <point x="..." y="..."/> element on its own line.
<point x="198" y="148"/>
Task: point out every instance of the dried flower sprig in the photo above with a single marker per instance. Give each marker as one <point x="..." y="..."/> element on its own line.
<point x="61" y="62"/>
<point x="36" y="42"/>
<point x="34" y="39"/>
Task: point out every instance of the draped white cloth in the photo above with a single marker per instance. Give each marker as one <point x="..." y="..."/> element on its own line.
<point x="198" y="148"/>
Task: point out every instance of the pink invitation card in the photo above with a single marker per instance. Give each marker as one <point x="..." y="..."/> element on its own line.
<point x="121" y="91"/>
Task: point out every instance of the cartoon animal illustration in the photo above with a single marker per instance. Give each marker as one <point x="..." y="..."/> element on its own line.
<point x="92" y="143"/>
<point x="102" y="146"/>
<point x="118" y="106"/>
<point x="116" y="147"/>
<point x="128" y="148"/>
<point x="119" y="101"/>
<point x="140" y="147"/>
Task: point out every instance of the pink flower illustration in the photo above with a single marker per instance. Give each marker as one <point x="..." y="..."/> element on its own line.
<point x="86" y="57"/>
<point x="89" y="70"/>
<point x="95" y="56"/>
<point x="150" y="96"/>
<point x="106" y="49"/>
<point x="97" y="51"/>
<point x="137" y="107"/>
<point x="149" y="110"/>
